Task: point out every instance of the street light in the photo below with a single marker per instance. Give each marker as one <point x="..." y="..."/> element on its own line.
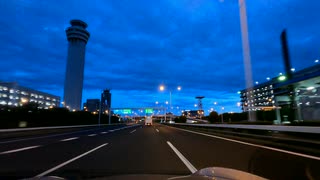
<point x="222" y="108"/>
<point x="162" y="88"/>
<point x="282" y="78"/>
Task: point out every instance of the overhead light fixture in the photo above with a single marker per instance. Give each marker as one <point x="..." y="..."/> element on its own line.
<point x="310" y="88"/>
<point x="282" y="78"/>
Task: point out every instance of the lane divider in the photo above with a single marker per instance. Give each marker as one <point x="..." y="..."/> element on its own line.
<point x="92" y="135"/>
<point x="157" y="130"/>
<point x="18" y="150"/>
<point x="182" y="158"/>
<point x="133" y="131"/>
<point x="69" y="161"/>
<point x="104" y="132"/>
<point x="69" y="139"/>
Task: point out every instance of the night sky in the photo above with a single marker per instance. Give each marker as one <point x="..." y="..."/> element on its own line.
<point x="137" y="45"/>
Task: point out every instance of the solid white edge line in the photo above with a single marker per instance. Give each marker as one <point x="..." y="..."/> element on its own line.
<point x="157" y="130"/>
<point x="69" y="161"/>
<point x="18" y="150"/>
<point x="133" y="131"/>
<point x="104" y="132"/>
<point x="92" y="135"/>
<point x="255" y="145"/>
<point x="179" y="177"/>
<point x="69" y="139"/>
<point x="183" y="159"/>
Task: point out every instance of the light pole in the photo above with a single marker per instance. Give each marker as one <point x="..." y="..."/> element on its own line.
<point x="246" y="51"/>
<point x="222" y="114"/>
<point x="162" y="88"/>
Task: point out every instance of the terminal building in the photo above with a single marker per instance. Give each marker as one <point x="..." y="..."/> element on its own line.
<point x="302" y="90"/>
<point x="12" y="94"/>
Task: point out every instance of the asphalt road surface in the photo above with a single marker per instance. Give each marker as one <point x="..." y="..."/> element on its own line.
<point x="139" y="149"/>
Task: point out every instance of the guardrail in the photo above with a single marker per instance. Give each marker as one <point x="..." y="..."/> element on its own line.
<point x="50" y="127"/>
<point x="299" y="129"/>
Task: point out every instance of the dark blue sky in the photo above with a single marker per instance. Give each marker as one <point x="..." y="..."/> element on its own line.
<point x="137" y="45"/>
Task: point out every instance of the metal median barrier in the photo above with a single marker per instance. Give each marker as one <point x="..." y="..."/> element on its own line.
<point x="304" y="139"/>
<point x="36" y="131"/>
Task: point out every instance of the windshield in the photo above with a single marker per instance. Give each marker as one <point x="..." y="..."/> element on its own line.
<point x="103" y="88"/>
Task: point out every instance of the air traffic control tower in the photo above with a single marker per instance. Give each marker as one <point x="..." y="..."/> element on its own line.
<point x="77" y="37"/>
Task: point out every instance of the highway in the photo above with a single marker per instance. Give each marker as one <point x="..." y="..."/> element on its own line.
<point x="138" y="149"/>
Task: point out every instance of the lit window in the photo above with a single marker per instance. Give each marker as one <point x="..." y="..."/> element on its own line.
<point x="9" y="103"/>
<point x="5" y="88"/>
<point x="10" y="97"/>
<point x="17" y="97"/>
<point x="53" y="99"/>
<point x="11" y="91"/>
<point x="3" y="103"/>
<point x="41" y="97"/>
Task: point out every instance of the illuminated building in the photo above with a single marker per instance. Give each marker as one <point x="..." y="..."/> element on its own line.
<point x="11" y="94"/>
<point x="92" y="105"/>
<point x="301" y="92"/>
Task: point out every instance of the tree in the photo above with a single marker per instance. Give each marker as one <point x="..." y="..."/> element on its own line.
<point x="181" y="119"/>
<point x="213" y="117"/>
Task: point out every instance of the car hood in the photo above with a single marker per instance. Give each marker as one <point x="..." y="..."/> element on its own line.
<point x="216" y="173"/>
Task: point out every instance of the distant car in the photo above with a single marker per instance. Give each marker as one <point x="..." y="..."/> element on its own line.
<point x="171" y="122"/>
<point x="148" y="121"/>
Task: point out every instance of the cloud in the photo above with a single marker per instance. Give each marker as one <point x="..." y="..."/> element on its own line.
<point x="134" y="48"/>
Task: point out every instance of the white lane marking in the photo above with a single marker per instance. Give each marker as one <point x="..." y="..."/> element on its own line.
<point x="92" y="135"/>
<point x="111" y="130"/>
<point x="17" y="150"/>
<point x="69" y="161"/>
<point x="69" y="139"/>
<point x="179" y="177"/>
<point x="104" y="132"/>
<point x="157" y="130"/>
<point x="255" y="145"/>
<point x="133" y="131"/>
<point x="62" y="134"/>
<point x="183" y="159"/>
